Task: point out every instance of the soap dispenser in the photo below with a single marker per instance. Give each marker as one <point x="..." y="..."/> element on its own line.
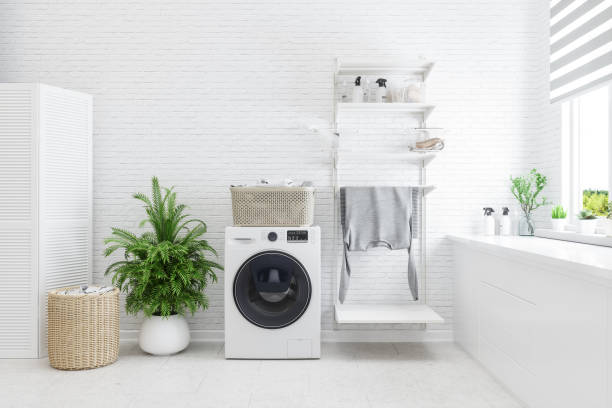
<point x="489" y="221"/>
<point x="505" y="224"/>
<point x="358" y="90"/>
<point x="381" y="91"/>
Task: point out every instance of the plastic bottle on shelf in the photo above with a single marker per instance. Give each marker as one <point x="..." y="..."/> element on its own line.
<point x="489" y="221"/>
<point x="505" y="223"/>
<point x="381" y="91"/>
<point x="358" y="91"/>
<point x="343" y="92"/>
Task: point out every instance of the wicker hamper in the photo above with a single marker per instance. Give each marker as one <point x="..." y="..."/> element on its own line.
<point x="273" y="206"/>
<point x="83" y="330"/>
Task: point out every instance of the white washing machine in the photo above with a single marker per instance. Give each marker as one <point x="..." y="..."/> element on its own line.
<point x="272" y="292"/>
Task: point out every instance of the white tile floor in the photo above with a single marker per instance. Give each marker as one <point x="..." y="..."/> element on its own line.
<point x="348" y="375"/>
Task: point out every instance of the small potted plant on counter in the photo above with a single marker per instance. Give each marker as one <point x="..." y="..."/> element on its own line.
<point x="526" y="190"/>
<point x="164" y="271"/>
<point x="587" y="221"/>
<point x="559" y="218"/>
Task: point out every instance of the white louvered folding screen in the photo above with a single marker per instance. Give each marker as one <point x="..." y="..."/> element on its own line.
<point x="580" y="46"/>
<point x="45" y="207"/>
<point x="18" y="253"/>
<point x="64" y="194"/>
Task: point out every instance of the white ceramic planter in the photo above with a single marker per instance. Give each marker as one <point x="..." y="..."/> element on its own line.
<point x="587" y="226"/>
<point x="163" y="336"/>
<point x="608" y="224"/>
<point x="558" y="224"/>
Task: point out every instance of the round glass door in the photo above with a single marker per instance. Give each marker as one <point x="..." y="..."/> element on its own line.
<point x="272" y="289"/>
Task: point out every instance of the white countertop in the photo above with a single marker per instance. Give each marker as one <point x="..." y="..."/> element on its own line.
<point x="580" y="260"/>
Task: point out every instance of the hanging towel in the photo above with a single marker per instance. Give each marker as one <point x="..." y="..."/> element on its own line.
<point x="373" y="217"/>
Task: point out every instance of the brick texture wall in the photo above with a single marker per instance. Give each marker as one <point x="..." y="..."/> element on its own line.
<point x="205" y="94"/>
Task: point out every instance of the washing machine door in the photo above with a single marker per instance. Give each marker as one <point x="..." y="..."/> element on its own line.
<point x="272" y="289"/>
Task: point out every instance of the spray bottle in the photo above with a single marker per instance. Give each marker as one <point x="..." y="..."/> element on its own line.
<point x="489" y="221"/>
<point x="381" y="91"/>
<point x="358" y="90"/>
<point x="505" y="224"/>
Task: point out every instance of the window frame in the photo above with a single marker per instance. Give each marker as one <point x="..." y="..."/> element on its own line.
<point x="571" y="194"/>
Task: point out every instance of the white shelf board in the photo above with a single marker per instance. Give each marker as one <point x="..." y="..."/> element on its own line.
<point x="369" y="107"/>
<point x="406" y="313"/>
<point x="349" y="156"/>
<point x="383" y="66"/>
<point x="427" y="188"/>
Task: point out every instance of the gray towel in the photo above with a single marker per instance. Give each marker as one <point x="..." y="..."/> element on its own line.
<point x="376" y="216"/>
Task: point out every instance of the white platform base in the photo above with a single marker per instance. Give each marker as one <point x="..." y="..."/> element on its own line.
<point x="365" y="313"/>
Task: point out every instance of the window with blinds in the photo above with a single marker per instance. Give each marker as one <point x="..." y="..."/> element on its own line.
<point x="580" y="46"/>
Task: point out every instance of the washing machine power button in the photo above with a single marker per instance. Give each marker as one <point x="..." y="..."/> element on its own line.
<point x="272" y="236"/>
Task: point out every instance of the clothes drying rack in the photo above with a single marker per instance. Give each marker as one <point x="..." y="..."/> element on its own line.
<point x="417" y="312"/>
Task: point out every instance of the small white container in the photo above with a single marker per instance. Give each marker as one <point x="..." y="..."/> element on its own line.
<point x="414" y="92"/>
<point x="587" y="226"/>
<point x="558" y="224"/>
<point x="608" y="225"/>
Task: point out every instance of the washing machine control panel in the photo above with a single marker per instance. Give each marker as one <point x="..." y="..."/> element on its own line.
<point x="297" y="236"/>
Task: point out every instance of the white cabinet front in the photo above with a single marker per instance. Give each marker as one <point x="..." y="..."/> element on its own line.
<point x="545" y="334"/>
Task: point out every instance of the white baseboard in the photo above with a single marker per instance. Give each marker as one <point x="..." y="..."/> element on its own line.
<point x="334" y="336"/>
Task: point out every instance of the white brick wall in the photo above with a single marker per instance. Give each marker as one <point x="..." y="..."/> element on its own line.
<point x="205" y="94"/>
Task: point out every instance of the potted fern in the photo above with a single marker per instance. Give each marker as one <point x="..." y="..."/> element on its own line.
<point x="164" y="271"/>
<point x="587" y="221"/>
<point x="526" y="190"/>
<point x="559" y="218"/>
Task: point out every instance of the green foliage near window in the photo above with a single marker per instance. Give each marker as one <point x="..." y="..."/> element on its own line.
<point x="164" y="271"/>
<point x="609" y="216"/>
<point x="558" y="212"/>
<point x="596" y="201"/>
<point x="586" y="215"/>
<point x="526" y="190"/>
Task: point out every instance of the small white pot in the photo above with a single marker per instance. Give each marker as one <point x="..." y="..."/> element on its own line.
<point x="608" y="224"/>
<point x="587" y="226"/>
<point x="558" y="224"/>
<point x="163" y="336"/>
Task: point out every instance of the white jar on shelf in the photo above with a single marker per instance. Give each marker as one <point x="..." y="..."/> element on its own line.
<point x="414" y="92"/>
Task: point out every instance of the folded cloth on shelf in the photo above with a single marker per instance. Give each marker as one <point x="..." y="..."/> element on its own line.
<point x="373" y="217"/>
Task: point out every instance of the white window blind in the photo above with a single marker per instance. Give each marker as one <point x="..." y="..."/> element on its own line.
<point x="580" y="46"/>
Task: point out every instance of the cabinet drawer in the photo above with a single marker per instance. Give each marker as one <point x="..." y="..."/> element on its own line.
<point x="519" y="279"/>
<point x="508" y="324"/>
<point x="518" y="380"/>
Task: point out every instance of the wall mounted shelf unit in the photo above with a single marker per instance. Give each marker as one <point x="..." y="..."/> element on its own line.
<point x="417" y="312"/>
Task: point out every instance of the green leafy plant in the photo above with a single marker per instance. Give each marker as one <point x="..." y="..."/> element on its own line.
<point x="609" y="216"/>
<point x="526" y="190"/>
<point x="164" y="271"/>
<point x="596" y="201"/>
<point x="586" y="215"/>
<point x="558" y="212"/>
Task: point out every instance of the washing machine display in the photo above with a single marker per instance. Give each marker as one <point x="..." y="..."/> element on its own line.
<point x="272" y="289"/>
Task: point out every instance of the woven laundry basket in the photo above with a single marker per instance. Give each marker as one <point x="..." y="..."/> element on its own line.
<point x="273" y="206"/>
<point x="83" y="330"/>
